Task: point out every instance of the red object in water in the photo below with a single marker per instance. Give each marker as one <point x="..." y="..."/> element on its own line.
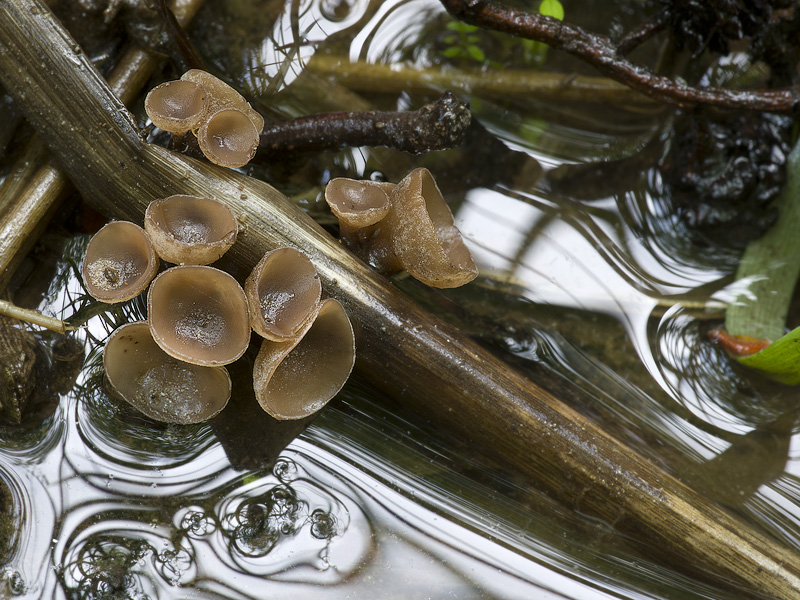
<point x="737" y="346"/>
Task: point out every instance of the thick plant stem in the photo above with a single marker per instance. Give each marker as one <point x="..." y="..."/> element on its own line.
<point x="31" y="194"/>
<point x="421" y="360"/>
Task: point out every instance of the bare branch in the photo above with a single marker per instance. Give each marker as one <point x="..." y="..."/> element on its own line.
<point x="602" y="54"/>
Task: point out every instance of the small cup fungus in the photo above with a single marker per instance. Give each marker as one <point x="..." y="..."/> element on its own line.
<point x="176" y="106"/>
<point x="199" y="315"/>
<point x="424" y="237"/>
<point x="295" y="379"/>
<point x="228" y="138"/>
<point x="282" y="291"/>
<point x="357" y="204"/>
<point x="119" y="263"/>
<point x="221" y="95"/>
<point x="158" y="385"/>
<point x="189" y="229"/>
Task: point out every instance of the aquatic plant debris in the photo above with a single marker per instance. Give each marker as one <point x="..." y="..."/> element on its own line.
<point x="770" y="267"/>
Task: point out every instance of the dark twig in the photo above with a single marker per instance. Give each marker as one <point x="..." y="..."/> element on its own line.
<point x="641" y="34"/>
<point x="436" y="126"/>
<point x="601" y="53"/>
<point x="186" y="53"/>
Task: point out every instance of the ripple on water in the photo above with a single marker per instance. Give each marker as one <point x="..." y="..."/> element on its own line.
<point x="123" y="450"/>
<point x="26" y="525"/>
<point x="289" y="524"/>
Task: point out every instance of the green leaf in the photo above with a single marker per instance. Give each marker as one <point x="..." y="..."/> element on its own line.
<point x="552" y="8"/>
<point x="452" y="52"/>
<point x="780" y="360"/>
<point x="476" y="53"/>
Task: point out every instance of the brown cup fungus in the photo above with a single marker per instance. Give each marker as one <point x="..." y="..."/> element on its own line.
<point x="417" y="232"/>
<point x="295" y="379"/>
<point x="176" y="106"/>
<point x="357" y="203"/>
<point x="158" y="385"/>
<point x="120" y="262"/>
<point x="228" y="138"/>
<point x="283" y="291"/>
<point x="199" y="315"/>
<point x="424" y="237"/>
<point x="221" y="95"/>
<point x="189" y="229"/>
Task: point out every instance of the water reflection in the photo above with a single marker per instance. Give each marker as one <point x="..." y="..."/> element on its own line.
<point x="286" y="523"/>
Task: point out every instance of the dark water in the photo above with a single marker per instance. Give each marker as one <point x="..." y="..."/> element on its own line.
<point x="605" y="301"/>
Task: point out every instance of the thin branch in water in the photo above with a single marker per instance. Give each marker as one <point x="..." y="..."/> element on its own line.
<point x="34" y="317"/>
<point x="437" y="126"/>
<point x="189" y="56"/>
<point x="600" y="52"/>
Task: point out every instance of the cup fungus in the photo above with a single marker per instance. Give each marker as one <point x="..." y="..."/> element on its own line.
<point x="413" y="231"/>
<point x="228" y="138"/>
<point x="295" y="379"/>
<point x="424" y="237"/>
<point x="158" y="385"/>
<point x="176" y="106"/>
<point x="189" y="229"/>
<point x="226" y="126"/>
<point x="120" y="262"/>
<point x="355" y="203"/>
<point x="221" y="95"/>
<point x="282" y="292"/>
<point x="199" y="315"/>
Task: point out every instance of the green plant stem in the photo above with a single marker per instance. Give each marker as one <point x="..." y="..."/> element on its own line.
<point x="526" y="84"/>
<point x="770" y="268"/>
<point x="425" y="363"/>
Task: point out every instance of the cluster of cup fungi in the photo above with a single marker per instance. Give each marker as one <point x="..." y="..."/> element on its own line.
<point x="171" y="367"/>
<point x="227" y="128"/>
<point x="404" y="226"/>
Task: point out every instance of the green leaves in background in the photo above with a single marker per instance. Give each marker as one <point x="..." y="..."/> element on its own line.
<point x="463" y="42"/>
<point x="536" y="52"/>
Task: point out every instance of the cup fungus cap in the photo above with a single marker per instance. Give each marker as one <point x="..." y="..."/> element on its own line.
<point x="228" y="138"/>
<point x="189" y="229"/>
<point x="356" y="203"/>
<point x="424" y="237"/>
<point x="221" y="95"/>
<point x="158" y="385"/>
<point x="199" y="315"/>
<point x="176" y="106"/>
<point x="297" y="378"/>
<point x="282" y="292"/>
<point x="120" y="262"/>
